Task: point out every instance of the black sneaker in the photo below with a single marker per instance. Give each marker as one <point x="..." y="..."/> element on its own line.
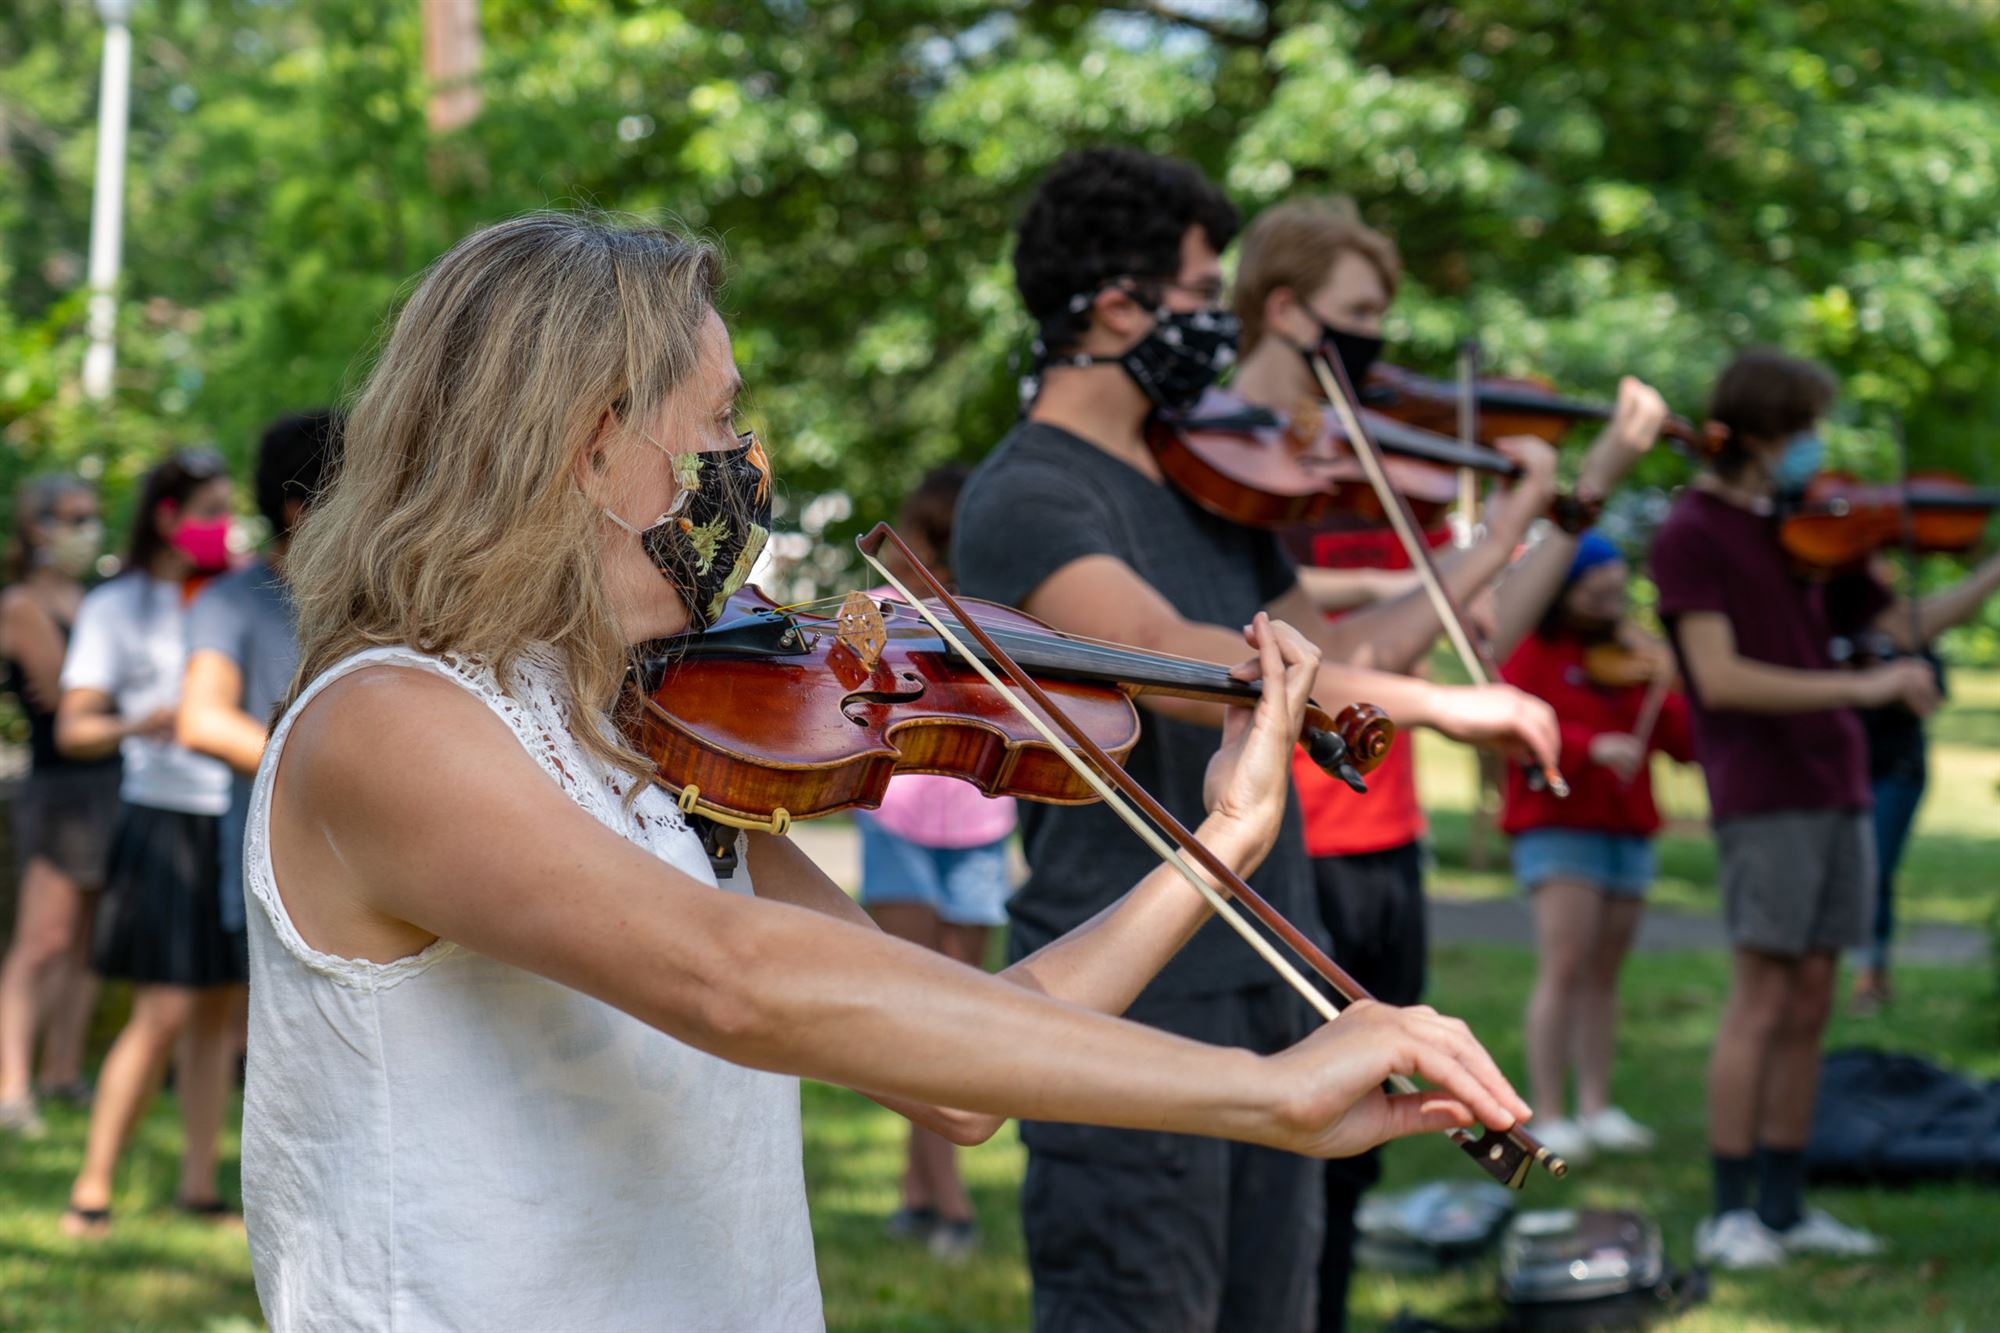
<point x="916" y="1224"/>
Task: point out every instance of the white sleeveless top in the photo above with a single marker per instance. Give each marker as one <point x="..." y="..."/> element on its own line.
<point x="446" y="1141"/>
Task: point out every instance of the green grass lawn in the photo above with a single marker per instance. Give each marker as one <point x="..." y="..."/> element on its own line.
<point x="164" y="1272"/>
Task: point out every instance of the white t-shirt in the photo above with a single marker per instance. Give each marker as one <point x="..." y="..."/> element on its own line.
<point x="447" y="1141"/>
<point x="130" y="642"/>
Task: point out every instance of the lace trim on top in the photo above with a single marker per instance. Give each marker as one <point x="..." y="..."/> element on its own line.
<point x="531" y="703"/>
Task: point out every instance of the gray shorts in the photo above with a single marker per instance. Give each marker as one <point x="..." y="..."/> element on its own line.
<point x="1798" y="881"/>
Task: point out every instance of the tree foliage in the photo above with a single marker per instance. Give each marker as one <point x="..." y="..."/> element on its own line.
<point x="1587" y="189"/>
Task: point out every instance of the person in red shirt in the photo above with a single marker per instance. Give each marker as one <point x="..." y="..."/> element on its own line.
<point x="1310" y="274"/>
<point x="1587" y="860"/>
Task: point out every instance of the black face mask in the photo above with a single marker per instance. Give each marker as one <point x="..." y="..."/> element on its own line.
<point x="1357" y="351"/>
<point x="1178" y="359"/>
<point x="721" y="517"/>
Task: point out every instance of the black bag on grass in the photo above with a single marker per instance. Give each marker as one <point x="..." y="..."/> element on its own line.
<point x="1887" y="1118"/>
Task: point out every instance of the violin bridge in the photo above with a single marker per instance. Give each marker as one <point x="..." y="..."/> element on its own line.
<point x="859" y="626"/>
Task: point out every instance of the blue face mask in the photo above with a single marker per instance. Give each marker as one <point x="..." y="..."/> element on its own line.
<point x="1801" y="461"/>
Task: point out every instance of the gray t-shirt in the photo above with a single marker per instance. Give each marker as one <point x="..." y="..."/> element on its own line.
<point x="248" y="617"/>
<point x="1043" y="499"/>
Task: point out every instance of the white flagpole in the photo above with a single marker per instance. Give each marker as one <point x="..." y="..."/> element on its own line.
<point x="107" y="204"/>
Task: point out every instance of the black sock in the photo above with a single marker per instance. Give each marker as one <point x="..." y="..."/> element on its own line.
<point x="1732" y="1182"/>
<point x="1781" y="1187"/>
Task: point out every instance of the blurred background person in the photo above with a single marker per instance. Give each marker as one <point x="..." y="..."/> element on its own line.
<point x="159" y="925"/>
<point x="1587" y="860"/>
<point x="243" y="633"/>
<point x="63" y="812"/>
<point x="934" y="870"/>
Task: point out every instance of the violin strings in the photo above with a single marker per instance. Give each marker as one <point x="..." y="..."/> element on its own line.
<point x="1168" y="854"/>
<point x="1126" y="650"/>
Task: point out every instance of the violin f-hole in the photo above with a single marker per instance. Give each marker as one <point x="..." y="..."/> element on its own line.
<point x="862" y="698"/>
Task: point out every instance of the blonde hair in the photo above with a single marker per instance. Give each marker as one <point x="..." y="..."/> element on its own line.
<point x="1295" y="244"/>
<point x="454" y="523"/>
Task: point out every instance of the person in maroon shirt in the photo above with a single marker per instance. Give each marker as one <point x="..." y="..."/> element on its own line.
<point x="1587" y="860"/>
<point x="1782" y="749"/>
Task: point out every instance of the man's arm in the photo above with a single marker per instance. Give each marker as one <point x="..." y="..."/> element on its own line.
<point x="1104" y="597"/>
<point x="1397" y="635"/>
<point x="211" y="719"/>
<point x="1940" y="611"/>
<point x="1725" y="679"/>
<point x="1347" y="589"/>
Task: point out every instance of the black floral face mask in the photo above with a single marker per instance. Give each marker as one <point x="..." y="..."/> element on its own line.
<point x="1184" y="353"/>
<point x="708" y="541"/>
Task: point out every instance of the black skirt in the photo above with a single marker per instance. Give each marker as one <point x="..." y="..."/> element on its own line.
<point x="160" y="921"/>
<point x="65" y="816"/>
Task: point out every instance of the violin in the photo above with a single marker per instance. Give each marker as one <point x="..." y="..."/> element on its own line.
<point x="822" y="710"/>
<point x="1504" y="406"/>
<point x="783" y="713"/>
<point x="1253" y="469"/>
<point x="1616" y="664"/>
<point x="1632" y="661"/>
<point x="1840" y="521"/>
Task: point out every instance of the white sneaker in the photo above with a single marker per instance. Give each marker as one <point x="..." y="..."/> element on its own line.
<point x="1738" y="1239"/>
<point x="20" y="1118"/>
<point x="1611" y="1130"/>
<point x="1565" y="1138"/>
<point x="1818" y="1233"/>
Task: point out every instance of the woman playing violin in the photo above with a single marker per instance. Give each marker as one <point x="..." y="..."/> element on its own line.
<point x="1587" y="861"/>
<point x="517" y="1058"/>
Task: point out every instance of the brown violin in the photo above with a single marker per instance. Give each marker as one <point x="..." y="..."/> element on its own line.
<point x="784" y="713"/>
<point x="1504" y="406"/>
<point x="1840" y="521"/>
<point x="1253" y="469"/>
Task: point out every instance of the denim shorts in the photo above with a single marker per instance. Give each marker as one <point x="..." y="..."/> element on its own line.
<point x="1619" y="865"/>
<point x="965" y="886"/>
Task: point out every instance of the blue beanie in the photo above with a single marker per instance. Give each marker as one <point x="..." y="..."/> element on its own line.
<point x="1593" y="548"/>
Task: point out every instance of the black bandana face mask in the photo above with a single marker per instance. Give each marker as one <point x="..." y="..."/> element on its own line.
<point x="1184" y="353"/>
<point x="1358" y="352"/>
<point x="708" y="541"/>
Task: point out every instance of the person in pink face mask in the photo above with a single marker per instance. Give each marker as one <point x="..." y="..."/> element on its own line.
<point x="159" y="924"/>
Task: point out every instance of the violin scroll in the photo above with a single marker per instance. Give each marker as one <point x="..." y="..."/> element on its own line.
<point x="1353" y="745"/>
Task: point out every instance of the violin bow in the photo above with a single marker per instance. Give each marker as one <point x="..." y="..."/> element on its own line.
<point x="1909" y="535"/>
<point x="1506" y="1157"/>
<point x="1478" y="662"/>
<point x="1468" y="433"/>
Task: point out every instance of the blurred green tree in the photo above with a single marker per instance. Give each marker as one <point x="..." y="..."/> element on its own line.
<point x="1586" y="189"/>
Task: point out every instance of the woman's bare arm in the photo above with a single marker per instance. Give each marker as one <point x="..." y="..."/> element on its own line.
<point x="464" y="838"/>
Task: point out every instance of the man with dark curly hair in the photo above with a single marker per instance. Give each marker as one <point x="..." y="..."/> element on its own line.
<point x="1071" y="519"/>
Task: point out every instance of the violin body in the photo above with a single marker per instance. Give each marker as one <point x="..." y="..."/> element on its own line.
<point x="1250" y="474"/>
<point x="775" y="715"/>
<point x="1841" y="521"/>
<point x="1253" y="470"/>
<point x="1506" y="406"/>
<point x="793" y="729"/>
<point x="1621" y="664"/>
